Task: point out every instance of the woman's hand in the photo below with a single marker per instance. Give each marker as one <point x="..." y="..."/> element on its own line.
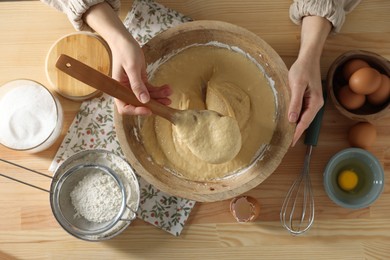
<point x="128" y="60"/>
<point x="129" y="69"/>
<point x="304" y="77"/>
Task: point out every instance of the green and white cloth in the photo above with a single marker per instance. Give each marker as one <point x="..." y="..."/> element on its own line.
<point x="93" y="126"/>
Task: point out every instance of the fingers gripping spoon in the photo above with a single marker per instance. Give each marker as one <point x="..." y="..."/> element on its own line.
<point x="106" y="84"/>
<point x="190" y="124"/>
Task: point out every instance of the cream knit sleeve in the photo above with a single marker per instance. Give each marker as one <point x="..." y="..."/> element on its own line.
<point x="75" y="9"/>
<point x="333" y="10"/>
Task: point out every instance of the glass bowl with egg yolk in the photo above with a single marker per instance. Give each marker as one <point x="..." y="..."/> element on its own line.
<point x="353" y="178"/>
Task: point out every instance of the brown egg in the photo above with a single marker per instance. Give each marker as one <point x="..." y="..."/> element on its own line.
<point x="353" y="65"/>
<point x="382" y="94"/>
<point x="362" y="135"/>
<point x="365" y="81"/>
<point x="349" y="99"/>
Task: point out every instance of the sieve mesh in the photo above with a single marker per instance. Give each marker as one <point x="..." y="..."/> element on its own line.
<point x="67" y="214"/>
<point x="71" y="172"/>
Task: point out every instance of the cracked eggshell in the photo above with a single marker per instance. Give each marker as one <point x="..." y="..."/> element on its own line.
<point x="245" y="209"/>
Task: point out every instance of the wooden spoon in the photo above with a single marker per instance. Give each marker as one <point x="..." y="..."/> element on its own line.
<point x="106" y="84"/>
<point x="209" y="135"/>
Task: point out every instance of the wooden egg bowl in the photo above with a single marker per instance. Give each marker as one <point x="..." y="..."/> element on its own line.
<point x="335" y="80"/>
<point x="202" y="32"/>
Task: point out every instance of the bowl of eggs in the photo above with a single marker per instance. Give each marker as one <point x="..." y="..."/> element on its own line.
<point x="359" y="85"/>
<point x="353" y="178"/>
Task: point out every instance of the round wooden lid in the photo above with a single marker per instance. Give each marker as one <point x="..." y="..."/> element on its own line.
<point x="86" y="47"/>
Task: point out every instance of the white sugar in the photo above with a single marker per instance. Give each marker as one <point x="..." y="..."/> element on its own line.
<point x="28" y="114"/>
<point x="97" y="197"/>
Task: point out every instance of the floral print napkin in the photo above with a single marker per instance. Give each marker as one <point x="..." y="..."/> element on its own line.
<point x="93" y="127"/>
<point x="148" y="18"/>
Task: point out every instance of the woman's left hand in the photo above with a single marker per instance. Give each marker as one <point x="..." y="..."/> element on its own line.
<point x="304" y="79"/>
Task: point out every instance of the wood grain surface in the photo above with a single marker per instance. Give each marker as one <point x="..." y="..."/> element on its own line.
<point x="28" y="229"/>
<point x="86" y="47"/>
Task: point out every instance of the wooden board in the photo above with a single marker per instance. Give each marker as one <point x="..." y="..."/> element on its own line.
<point x="28" y="229"/>
<point x="86" y="47"/>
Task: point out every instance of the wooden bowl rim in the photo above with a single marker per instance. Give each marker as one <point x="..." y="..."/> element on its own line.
<point x="223" y="188"/>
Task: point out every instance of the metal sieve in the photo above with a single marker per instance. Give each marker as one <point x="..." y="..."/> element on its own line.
<point x="65" y="212"/>
<point x="70" y="173"/>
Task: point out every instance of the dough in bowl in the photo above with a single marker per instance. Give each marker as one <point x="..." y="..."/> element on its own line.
<point x="214" y="78"/>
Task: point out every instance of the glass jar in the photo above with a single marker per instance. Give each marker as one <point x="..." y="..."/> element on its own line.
<point x="31" y="117"/>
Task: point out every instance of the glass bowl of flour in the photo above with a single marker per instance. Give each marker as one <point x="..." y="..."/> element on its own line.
<point x="31" y="117"/>
<point x="94" y="195"/>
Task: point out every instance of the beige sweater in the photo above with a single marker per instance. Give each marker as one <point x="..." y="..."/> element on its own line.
<point x="75" y="9"/>
<point x="333" y="10"/>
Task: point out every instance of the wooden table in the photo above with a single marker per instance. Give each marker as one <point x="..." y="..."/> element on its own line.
<point x="28" y="229"/>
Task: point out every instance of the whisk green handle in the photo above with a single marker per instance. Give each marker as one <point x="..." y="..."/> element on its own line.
<point x="313" y="131"/>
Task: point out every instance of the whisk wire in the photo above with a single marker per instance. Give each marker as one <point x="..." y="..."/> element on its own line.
<point x="299" y="194"/>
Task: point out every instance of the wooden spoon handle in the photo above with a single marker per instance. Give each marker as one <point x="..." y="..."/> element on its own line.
<point x="106" y="84"/>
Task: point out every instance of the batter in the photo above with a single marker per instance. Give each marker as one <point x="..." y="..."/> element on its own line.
<point x="212" y="137"/>
<point x="213" y="78"/>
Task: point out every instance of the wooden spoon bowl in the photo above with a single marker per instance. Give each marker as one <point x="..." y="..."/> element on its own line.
<point x="202" y="32"/>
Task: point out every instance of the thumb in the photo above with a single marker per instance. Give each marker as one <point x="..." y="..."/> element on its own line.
<point x="138" y="86"/>
<point x="295" y="106"/>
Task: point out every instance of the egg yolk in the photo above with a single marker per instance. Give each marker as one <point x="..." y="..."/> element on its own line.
<point x="347" y="180"/>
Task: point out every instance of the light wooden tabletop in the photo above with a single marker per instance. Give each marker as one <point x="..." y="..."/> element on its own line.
<point x="28" y="229"/>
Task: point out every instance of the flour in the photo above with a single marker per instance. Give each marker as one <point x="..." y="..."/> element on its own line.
<point x="28" y="114"/>
<point x="97" y="197"/>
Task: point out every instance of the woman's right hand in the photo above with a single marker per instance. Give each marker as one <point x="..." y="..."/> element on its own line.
<point x="128" y="62"/>
<point x="129" y="69"/>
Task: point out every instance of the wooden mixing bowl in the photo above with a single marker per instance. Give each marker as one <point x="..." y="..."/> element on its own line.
<point x="202" y="32"/>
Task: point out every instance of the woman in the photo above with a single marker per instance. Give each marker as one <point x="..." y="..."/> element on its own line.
<point x="317" y="17"/>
